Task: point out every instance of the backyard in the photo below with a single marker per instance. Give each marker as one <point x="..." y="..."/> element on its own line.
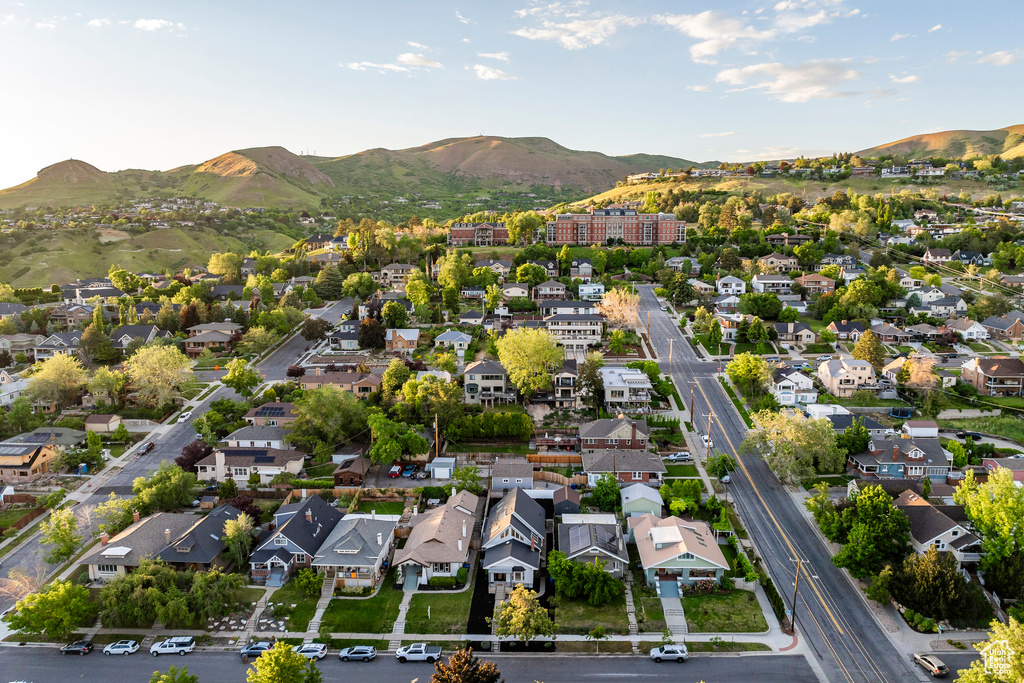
<point x="681" y="470"/>
<point x="382" y="507"/>
<point x="577" y="616"/>
<point x="734" y="612"/>
<point x="364" y="615"/>
<point x="1006" y="426"/>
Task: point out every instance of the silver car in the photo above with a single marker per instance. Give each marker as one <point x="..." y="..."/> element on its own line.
<point x="312" y="650"/>
<point x="358" y="652"/>
<point x="672" y="653"/>
<point x="121" y="647"/>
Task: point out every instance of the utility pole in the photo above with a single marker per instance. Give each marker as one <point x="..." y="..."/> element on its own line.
<point x="670" y="341"/>
<point x="707" y="453"/>
<point x="796" y="584"/>
<point x="437" y="439"/>
<point x="648" y="324"/>
<point x="693" y="386"/>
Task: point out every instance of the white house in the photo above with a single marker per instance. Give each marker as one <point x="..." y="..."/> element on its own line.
<point x="921" y="428"/>
<point x="592" y="292"/>
<point x="513" y="540"/>
<point x="771" y="284"/>
<point x="931" y="527"/>
<point x="732" y="285"/>
<point x="453" y="339"/>
<point x="792" y="387"/>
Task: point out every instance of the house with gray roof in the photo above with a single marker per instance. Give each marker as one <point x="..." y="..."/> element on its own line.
<point x="344" y="340"/>
<point x="619" y="433"/>
<point x="898" y="458"/>
<point x="931" y="527"/>
<point x="253" y="436"/>
<point x="453" y="339"/>
<point x="240" y="463"/>
<point x="201" y="546"/>
<point x="1009" y="327"/>
<point x="301" y="529"/>
<point x="513" y="540"/>
<point x="628" y="467"/>
<point x="485" y="382"/>
<point x="354" y="553"/>
<point x="589" y="538"/>
<point x="640" y="499"/>
<point x="58" y="343"/>
<point x="142" y="540"/>
<point x="510" y="473"/>
<point x="126" y="334"/>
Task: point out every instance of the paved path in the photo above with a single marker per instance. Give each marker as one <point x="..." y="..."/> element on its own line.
<point x="399" y="629"/>
<point x="675" y="618"/>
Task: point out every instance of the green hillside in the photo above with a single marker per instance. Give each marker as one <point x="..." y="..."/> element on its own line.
<point x="956" y="144"/>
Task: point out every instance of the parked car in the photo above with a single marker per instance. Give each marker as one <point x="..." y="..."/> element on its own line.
<point x="974" y="435"/>
<point x="360" y="652"/>
<point x="255" y="649"/>
<point x="725" y="479"/>
<point x="680" y="457"/>
<point x="932" y="664"/>
<point x="664" y="308"/>
<point x="773" y="359"/>
<point x="312" y="650"/>
<point x="420" y="475"/>
<point x="148" y="447"/>
<point x="677" y="653"/>
<point x="409" y="470"/>
<point x="185" y="417"/>
<point x="822" y="359"/>
<point x="180" y="645"/>
<point x="79" y="647"/>
<point x="418" y="652"/>
<point x="395" y="471"/>
<point x="121" y="647"/>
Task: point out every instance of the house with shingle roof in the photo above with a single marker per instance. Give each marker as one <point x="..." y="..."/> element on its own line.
<point x="240" y="463"/>
<point x="640" y="499"/>
<point x="201" y="546"/>
<point x="627" y="466"/>
<point x="676" y="551"/>
<point x="301" y="530"/>
<point x="513" y="540"/>
<point x="252" y="436"/>
<point x="438" y="544"/>
<point x="355" y="552"/>
<point x="589" y="538"/>
<point x="930" y="527"/>
<point x="614" y="433"/>
<point x="1009" y="327"/>
<point x="901" y="458"/>
<point x="142" y="540"/>
<point x="995" y="376"/>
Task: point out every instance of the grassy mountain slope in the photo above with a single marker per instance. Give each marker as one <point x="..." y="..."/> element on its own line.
<point x="956" y="144"/>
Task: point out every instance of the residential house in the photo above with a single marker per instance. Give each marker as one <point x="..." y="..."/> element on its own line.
<point x="576" y="333"/>
<point x="10" y="310"/>
<point x="126" y="334"/>
<point x="1015" y="281"/>
<point x="487" y="383"/>
<point x="356" y="551"/>
<point x="227" y="292"/>
<point x="701" y="288"/>
<point x="10" y="388"/>
<point x="344" y="340"/>
<point x="251" y="436"/>
<point x="102" y="424"/>
<point x="771" y="284"/>
<point x="581" y="269"/>
<point x="1009" y="327"/>
<point x="569" y="307"/>
<point x="63" y="343"/>
<point x="70" y="315"/>
<point x="552" y="289"/>
<point x="948" y="307"/>
<point x="924" y="331"/>
<point x="352" y="470"/>
<point x="620" y="433"/>
<point x="893" y="367"/>
<point x="327" y="258"/>
<point x="562" y="393"/>
<point x="797" y="333"/>
<point x="787" y="240"/>
<point x="438" y="544"/>
<point x="791" y="387"/>
<point x="301" y="529"/>
<point x="318" y="241"/>
<point x="1015" y="465"/>
<point x="477" y="293"/>
<point x="843" y="421"/>
<point x="274" y="414"/>
<point x="995" y="376"/>
<point x="591" y="538"/>
<point x="677" y="264"/>
<point x="929" y="527"/>
<point x="968" y="329"/>
<point x="214" y="340"/>
<point x="932" y="256"/>
<point x="21" y="343"/>
<point x="240" y="463"/>
<point x="500" y="268"/>
<point x="626" y="388"/>
<point x="928" y="429"/>
<point x="902" y="458"/>
<point x="887" y="334"/>
<point x="779" y="262"/>
<point x="967" y="258"/>
<point x="591" y="292"/>
<point x="551" y="268"/>
<point x="396" y="273"/>
<point x="142" y="540"/>
<point x="26" y="457"/>
<point x="566" y="501"/>
<point x="640" y="499"/>
<point x="227" y="327"/>
<point x="907" y="282"/>
<point x="455" y="340"/>
<point x="401" y="340"/>
<point x="515" y="290"/>
<point x="846" y="330"/>
<point x="926" y="215"/>
<point x="843" y="377"/>
<point x="726" y="303"/>
<point x="513" y="540"/>
<point x="816" y="284"/>
<point x="510" y="473"/>
<point x="841" y="260"/>
<point x="628" y="467"/>
<point x="675" y="551"/>
<point x="358" y="383"/>
<point x="201" y="546"/>
<point x="471" y="318"/>
<point x="731" y="284"/>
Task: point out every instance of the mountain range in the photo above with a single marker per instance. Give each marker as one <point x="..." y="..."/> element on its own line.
<point x="956" y="144"/>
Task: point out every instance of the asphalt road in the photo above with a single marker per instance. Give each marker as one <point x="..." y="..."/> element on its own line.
<point x="275" y="365"/>
<point x="47" y="665"/>
<point x="831" y="615"/>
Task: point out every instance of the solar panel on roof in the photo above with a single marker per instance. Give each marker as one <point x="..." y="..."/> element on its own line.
<point x="579" y="538"/>
<point x="604" y="537"/>
<point x="272" y="411"/>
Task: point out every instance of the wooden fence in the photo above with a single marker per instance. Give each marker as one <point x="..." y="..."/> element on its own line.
<point x="556" y="478"/>
<point x="555" y="459"/>
<point x="26" y="520"/>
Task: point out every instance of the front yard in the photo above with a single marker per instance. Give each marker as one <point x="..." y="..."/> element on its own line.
<point x="298" y="616"/>
<point x="681" y="470"/>
<point x="650" y="616"/>
<point x="364" y="615"/>
<point x="449" y="612"/>
<point x="734" y="612"/>
<point x="577" y="616"/>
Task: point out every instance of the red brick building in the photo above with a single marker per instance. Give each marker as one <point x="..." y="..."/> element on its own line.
<point x="615" y="224"/>
<point x="477" y="234"/>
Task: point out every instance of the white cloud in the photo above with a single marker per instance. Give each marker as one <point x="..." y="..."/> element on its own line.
<point x="6" y="19"/>
<point x="935" y="28"/>
<point x="715" y="32"/>
<point x="96" y="23"/>
<point x="465" y="40"/>
<point x="898" y="36"/>
<point x="382" y="68"/>
<point x="461" y="18"/>
<point x="45" y="24"/>
<point x="579" y="33"/>
<point x="410" y="59"/>
<point x="500" y="56"/>
<point x="486" y="73"/>
<point x="699" y="88"/>
<point x="417" y="45"/>
<point x="801" y="83"/>
<point x="152" y="24"/>
<point x="1001" y="58"/>
<point x="952" y="56"/>
<point x="904" y="79"/>
<point x="718" y="135"/>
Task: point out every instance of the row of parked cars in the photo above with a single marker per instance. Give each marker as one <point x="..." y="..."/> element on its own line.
<point x="180" y="645"/>
<point x="409" y="471"/>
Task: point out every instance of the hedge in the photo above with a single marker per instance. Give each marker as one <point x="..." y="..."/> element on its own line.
<point x="442" y="581"/>
<point x="491" y="425"/>
<point x="773" y="597"/>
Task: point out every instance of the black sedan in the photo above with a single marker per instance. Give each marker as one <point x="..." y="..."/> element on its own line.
<point x="81" y="647"/>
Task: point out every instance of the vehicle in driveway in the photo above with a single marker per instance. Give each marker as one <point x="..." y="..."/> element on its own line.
<point x="409" y="470"/>
<point x="679" y="457"/>
<point x="772" y="359"/>
<point x="185" y="417"/>
<point x="121" y="647"/>
<point x="363" y="653"/>
<point x="312" y="650"/>
<point x="395" y="471"/>
<point x="670" y="653"/>
<point x="79" y="647"/>
<point x="932" y="664"/>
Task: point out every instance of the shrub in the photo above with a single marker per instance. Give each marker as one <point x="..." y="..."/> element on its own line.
<point x="462" y="576"/>
<point x="442" y="581"/>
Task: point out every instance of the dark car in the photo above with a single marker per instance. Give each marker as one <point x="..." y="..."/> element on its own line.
<point x="973" y="435"/>
<point x="410" y="470"/>
<point x="80" y="647"/>
<point x="148" y="447"/>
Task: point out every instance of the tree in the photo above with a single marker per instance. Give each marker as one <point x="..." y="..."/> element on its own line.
<point x="242" y="377"/>
<point x="395" y="315"/>
<point x="749" y="372"/>
<point x="703" y="320"/>
<point x="158" y="374"/>
<point x="392" y="440"/>
<point x="617" y="342"/>
<point x="764" y="306"/>
<point x="115" y="514"/>
<point x="238" y="539"/>
<point x="869" y="348"/>
<point x="394" y="377"/>
<point x="877" y="534"/>
<point x="575" y="580"/>
<point x="467" y="478"/>
<point x="55" y="611"/>
<point x="463" y="667"/>
<point x="58" y="380"/>
<point x="327" y="415"/>
<point x="60" y="532"/>
<point x="597" y="634"/>
<point x="605" y="495"/>
<point x="591" y="383"/>
<point x="621" y="306"/>
<point x="529" y="355"/>
<point x="522" y="616"/>
<point x="228" y="489"/>
<point x="313" y="674"/>
<point x="279" y="664"/>
<point x="793" y="446"/>
<point x="371" y="334"/>
<point x="226" y="265"/>
<point x="169" y="488"/>
<point x="715" y="335"/>
<point x="447" y="361"/>
<point x="494" y="295"/>
<point x="359" y="286"/>
<point x="932" y="585"/>
<point x="174" y="675"/>
<point x="1008" y="638"/>
<point x="995" y="508"/>
<point x="192" y="453"/>
<point x="315" y="329"/>
<point x="258" y="340"/>
<point x="522" y="226"/>
<point x="96" y="346"/>
<point x="308" y="581"/>
<point x="855" y="438"/>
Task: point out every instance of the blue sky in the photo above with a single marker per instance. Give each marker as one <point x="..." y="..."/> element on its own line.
<point x="161" y="84"/>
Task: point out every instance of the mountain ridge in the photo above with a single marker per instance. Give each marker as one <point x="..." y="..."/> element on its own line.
<point x="956" y="144"/>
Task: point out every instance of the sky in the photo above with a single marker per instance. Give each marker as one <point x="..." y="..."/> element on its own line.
<point x="158" y="85"/>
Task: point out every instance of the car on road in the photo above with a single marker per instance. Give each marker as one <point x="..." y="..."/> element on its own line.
<point x="707" y="441"/>
<point x="679" y="457"/>
<point x="79" y="647"/>
<point x="255" y="649"/>
<point x="974" y="435"/>
<point x="725" y="479"/>
<point x="185" y="417"/>
<point x="672" y="653"/>
<point x="772" y="359"/>
<point x="664" y="308"/>
<point x="121" y="647"/>
<point x="312" y="650"/>
<point x="409" y="470"/>
<point x="358" y="652"/>
<point x="799" y="365"/>
<point x="180" y="645"/>
<point x="395" y="471"/>
<point x="148" y="447"/>
<point x="418" y="652"/>
<point x="824" y="358"/>
<point x="932" y="664"/>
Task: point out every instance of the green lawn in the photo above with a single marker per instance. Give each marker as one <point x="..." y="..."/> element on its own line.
<point x="594" y="647"/>
<point x="831" y="480"/>
<point x="681" y="470"/>
<point x="1006" y="426"/>
<point x="517" y="449"/>
<point x="449" y="612"/>
<point x="730" y="554"/>
<point x="390" y="507"/>
<point x="366" y="615"/>
<point x="819" y="348"/>
<point x="193" y="390"/>
<point x="649" y="614"/>
<point x="906" y="349"/>
<point x="325" y="470"/>
<point x="980" y="347"/>
<point x="305" y="605"/>
<point x="577" y="616"/>
<point x="746" y="347"/>
<point x="250" y="596"/>
<point x="9" y="517"/>
<point x="702" y="339"/>
<point x="734" y="612"/>
<point x="725" y="647"/>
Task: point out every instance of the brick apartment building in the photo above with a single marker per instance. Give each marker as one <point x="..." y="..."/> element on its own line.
<point x="477" y="234"/>
<point x="615" y="224"/>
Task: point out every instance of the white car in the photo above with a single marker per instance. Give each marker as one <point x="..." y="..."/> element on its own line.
<point x="121" y="647"/>
<point x="676" y="653"/>
<point x="180" y="645"/>
<point x="824" y="358"/>
<point x="707" y="441"/>
<point x="312" y="650"/>
<point x="185" y="417"/>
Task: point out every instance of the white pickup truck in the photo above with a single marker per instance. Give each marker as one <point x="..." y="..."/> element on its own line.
<point x="418" y="652"/>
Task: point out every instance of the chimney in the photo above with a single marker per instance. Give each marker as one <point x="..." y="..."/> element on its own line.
<point x="533" y="543"/>
<point x="895" y="453"/>
<point x="633" y="437"/>
<point x="309" y="515"/>
<point x="104" y="539"/>
<point x="135" y="515"/>
<point x="373" y="514"/>
<point x="380" y="539"/>
<point x="318" y="372"/>
<point x="844" y="322"/>
<point x="463" y="529"/>
<point x="460" y="545"/>
<point x="167" y="536"/>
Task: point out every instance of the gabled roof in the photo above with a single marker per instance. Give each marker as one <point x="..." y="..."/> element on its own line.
<point x="998" y="367"/>
<point x="622" y="461"/>
<point x="518" y="511"/>
<point x="641" y="492"/>
<point x="575" y="539"/>
<point x="256" y="433"/>
<point x="436" y="533"/>
<point x="203" y="541"/>
<point x="600" y="429"/>
<point x="520" y="553"/>
<point x="353" y="542"/>
<point x="453" y="336"/>
<point x="926" y="523"/>
<point x="485" y="367"/>
<point x="273" y="409"/>
<point x="307" y="534"/>
<point x="512" y="467"/>
<point x="406" y="334"/>
<point x="142" y="540"/>
<point x="663" y="540"/>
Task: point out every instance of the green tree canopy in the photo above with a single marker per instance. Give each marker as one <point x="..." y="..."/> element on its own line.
<point x="55" y="611"/>
<point x="529" y="355"/>
<point x="522" y="616"/>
